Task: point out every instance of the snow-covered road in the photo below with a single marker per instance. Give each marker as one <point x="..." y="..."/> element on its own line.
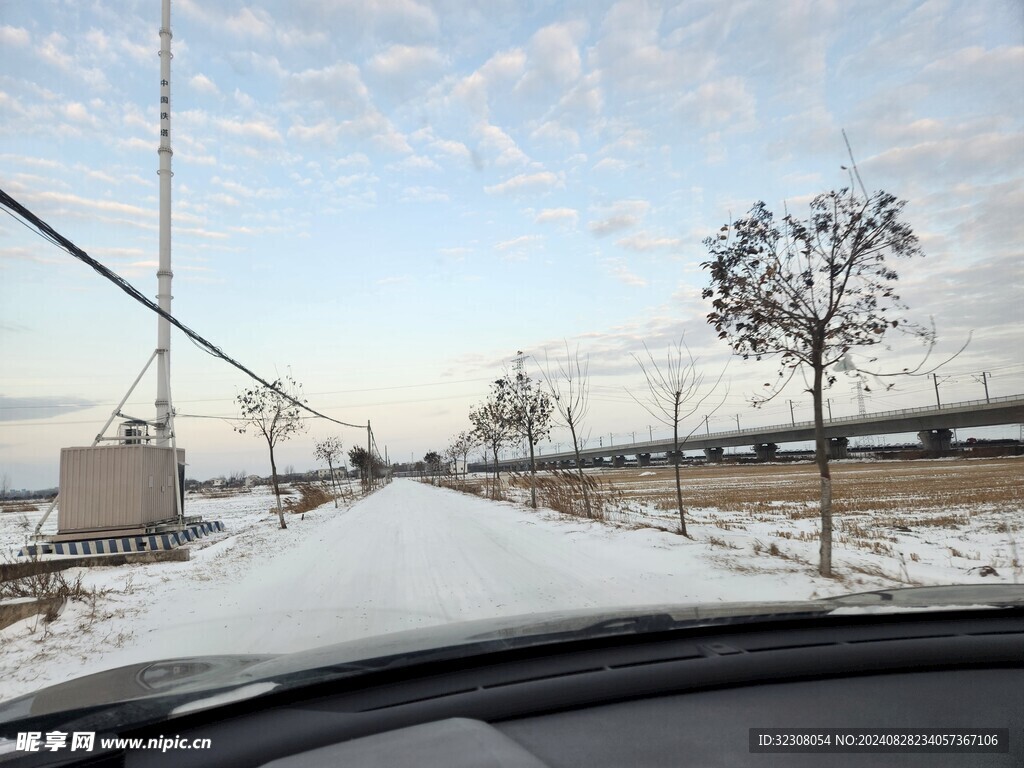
<point x="412" y="555"/>
<point x="408" y="555"/>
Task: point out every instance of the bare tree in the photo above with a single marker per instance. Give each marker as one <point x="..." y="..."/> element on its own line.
<point x="329" y="450"/>
<point x="451" y="463"/>
<point x="463" y="444"/>
<point x="527" y="412"/>
<point x="569" y="387"/>
<point x="272" y="413"/>
<point x="810" y="290"/>
<point x="493" y="431"/>
<point x="674" y="395"/>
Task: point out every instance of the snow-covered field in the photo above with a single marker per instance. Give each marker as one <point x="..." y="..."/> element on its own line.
<point x="413" y="555"/>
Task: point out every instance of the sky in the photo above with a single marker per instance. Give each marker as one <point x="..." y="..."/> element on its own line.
<point x="390" y="199"/>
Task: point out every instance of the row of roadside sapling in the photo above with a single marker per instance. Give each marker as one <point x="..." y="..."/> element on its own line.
<point x="275" y="414"/>
<point x="521" y="410"/>
<point x="803" y="290"/>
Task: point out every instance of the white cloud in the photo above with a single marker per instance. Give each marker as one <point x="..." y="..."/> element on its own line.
<point x="457" y="254"/>
<point x="240" y="190"/>
<point x="642" y="242"/>
<point x="474" y="90"/>
<point x="338" y="86"/>
<point x="526" y="183"/>
<point x="415" y="163"/>
<point x="610" y="164"/>
<point x="13" y="36"/>
<point x="249" y="22"/>
<point x="518" y="243"/>
<point x="554" y="59"/>
<point x="725" y="104"/>
<point x="394" y="280"/>
<point x="618" y="269"/>
<point x="203" y="84"/>
<point x="52" y="50"/>
<point x="623" y="214"/>
<point x="570" y="215"/>
<point x="406" y="62"/>
<point x="255" y="129"/>
<point x="497" y="144"/>
<point x="556" y="133"/>
<point x="423" y="195"/>
<point x="139" y="52"/>
<point x="244" y="100"/>
<point x="353" y="159"/>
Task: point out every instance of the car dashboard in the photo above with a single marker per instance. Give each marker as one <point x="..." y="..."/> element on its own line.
<point x="762" y="694"/>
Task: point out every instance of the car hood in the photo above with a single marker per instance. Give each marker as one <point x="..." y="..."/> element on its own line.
<point x="174" y="686"/>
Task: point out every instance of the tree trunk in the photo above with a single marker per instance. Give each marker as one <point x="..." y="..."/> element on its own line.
<point x="277" y="489"/>
<point x="579" y="470"/>
<point x="679" y="487"/>
<point x="533" y="473"/>
<point x="334" y="485"/>
<point x="821" y="457"/>
<point x="496" y="489"/>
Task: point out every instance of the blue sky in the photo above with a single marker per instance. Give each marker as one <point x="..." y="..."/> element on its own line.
<point x="392" y="198"/>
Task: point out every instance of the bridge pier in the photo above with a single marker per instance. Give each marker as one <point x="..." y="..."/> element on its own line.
<point x="714" y="455"/>
<point x="837" y="448"/>
<point x="674" y="457"/>
<point x="936" y="439"/>
<point x="765" y="451"/>
<point x="619" y="461"/>
<point x="599" y="461"/>
<point x="643" y="459"/>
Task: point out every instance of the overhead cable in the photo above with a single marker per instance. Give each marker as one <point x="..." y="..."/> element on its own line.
<point x="47" y="232"/>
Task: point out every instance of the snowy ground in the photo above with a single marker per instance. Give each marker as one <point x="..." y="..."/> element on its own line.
<point x="413" y="555"/>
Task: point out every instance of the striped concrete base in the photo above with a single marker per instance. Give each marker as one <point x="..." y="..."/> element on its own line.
<point x="146" y="543"/>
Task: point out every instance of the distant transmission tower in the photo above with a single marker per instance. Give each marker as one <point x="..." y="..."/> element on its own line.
<point x="861" y="408"/>
<point x="520" y="363"/>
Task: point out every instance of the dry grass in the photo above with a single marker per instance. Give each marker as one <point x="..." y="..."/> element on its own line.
<point x="875" y="504"/>
<point x="858" y="488"/>
<point x="310" y="497"/>
<point x="18" y="506"/>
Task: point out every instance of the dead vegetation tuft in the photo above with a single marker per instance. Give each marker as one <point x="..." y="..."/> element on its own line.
<point x="310" y="496"/>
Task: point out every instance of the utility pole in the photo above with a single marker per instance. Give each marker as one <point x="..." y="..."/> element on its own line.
<point x="738" y="423"/>
<point x="792" y="418"/>
<point x="935" y="378"/>
<point x="369" y="456"/>
<point x="828" y="402"/>
<point x="650" y="432"/>
<point x="634" y="437"/>
<point x="984" y="383"/>
<point x="707" y="429"/>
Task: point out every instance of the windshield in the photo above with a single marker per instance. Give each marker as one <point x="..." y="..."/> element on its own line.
<point x="491" y="309"/>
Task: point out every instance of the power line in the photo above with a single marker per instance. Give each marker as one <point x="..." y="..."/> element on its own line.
<point x="48" y="233"/>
